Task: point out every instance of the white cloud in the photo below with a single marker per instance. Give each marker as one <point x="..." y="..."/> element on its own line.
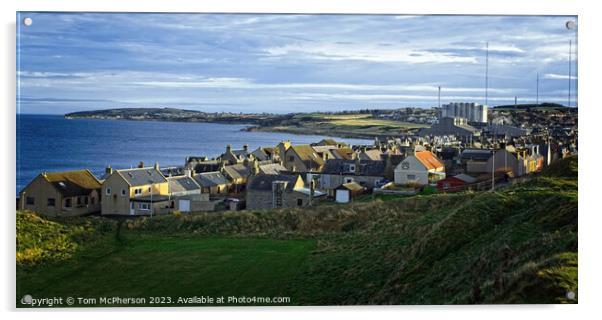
<point x="555" y="76"/>
<point x="367" y="52"/>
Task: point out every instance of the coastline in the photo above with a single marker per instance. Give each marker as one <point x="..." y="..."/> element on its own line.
<point x="345" y="133"/>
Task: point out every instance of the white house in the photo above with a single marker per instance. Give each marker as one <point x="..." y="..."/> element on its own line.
<point x="421" y="167"/>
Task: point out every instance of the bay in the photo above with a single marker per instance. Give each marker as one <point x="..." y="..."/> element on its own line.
<point x="53" y="143"/>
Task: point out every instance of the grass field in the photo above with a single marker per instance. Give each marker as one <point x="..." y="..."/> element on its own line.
<point x="345" y="125"/>
<point x="159" y="266"/>
<point x="516" y="245"/>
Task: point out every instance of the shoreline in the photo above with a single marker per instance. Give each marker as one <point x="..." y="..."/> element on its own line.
<point x="251" y="127"/>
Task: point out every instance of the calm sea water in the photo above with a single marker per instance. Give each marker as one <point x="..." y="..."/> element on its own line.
<point x="53" y="143"/>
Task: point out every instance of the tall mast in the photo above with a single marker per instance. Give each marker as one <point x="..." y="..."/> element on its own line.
<point x="537" y="90"/>
<point x="570" y="58"/>
<point x="486" y="73"/>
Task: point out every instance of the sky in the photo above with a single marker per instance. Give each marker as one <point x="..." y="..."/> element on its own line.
<point x="287" y="63"/>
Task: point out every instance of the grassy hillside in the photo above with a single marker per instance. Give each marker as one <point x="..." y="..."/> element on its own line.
<point x="517" y="245"/>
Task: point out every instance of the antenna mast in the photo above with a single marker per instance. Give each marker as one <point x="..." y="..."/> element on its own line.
<point x="570" y="58"/>
<point x="486" y="73"/>
<point x="537" y="90"/>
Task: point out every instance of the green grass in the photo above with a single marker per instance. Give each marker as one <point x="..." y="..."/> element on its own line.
<point x="516" y="245"/>
<point x="151" y="265"/>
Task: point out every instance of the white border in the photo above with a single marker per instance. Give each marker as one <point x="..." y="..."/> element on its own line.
<point x="589" y="261"/>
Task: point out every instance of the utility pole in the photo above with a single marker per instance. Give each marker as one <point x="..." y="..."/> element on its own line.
<point x="439" y="98"/>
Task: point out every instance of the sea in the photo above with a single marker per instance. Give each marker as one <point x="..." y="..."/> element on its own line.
<point x="47" y="143"/>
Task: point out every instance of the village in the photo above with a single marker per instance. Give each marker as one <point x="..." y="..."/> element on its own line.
<point x="468" y="147"/>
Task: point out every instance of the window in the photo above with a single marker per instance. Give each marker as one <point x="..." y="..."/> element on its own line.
<point x="352" y="167"/>
<point x="30" y="200"/>
<point x="79" y="200"/>
<point x="86" y="200"/>
<point x="123" y="192"/>
<point x="411" y="177"/>
<point x="348" y="180"/>
<point x="291" y="158"/>
<point x="218" y="189"/>
<point x="138" y="191"/>
<point x="144" y="206"/>
<point x="149" y="189"/>
<point x="92" y="200"/>
<point x="51" y="202"/>
<point x="68" y="203"/>
<point x="299" y="202"/>
<point x="108" y="191"/>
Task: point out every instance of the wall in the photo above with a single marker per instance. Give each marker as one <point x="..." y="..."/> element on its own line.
<point x="115" y="203"/>
<point x="415" y="168"/>
<point x="40" y="189"/>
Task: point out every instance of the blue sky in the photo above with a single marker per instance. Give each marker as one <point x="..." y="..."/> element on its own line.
<point x="285" y="63"/>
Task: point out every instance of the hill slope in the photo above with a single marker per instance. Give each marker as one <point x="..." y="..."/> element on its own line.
<point x="517" y="245"/>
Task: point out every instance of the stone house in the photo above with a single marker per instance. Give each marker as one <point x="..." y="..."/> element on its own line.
<point x="279" y="191"/>
<point x="212" y="183"/>
<point x="69" y="193"/>
<point x="301" y="158"/>
<point x="139" y="191"/>
<point x="420" y="168"/>
<point x="337" y="172"/>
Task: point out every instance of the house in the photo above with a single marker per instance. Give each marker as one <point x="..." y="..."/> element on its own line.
<point x="264" y="153"/>
<point x="475" y="160"/>
<point x="238" y="174"/>
<point x="270" y="168"/>
<point x="202" y="164"/>
<point x="330" y="142"/>
<point x="69" y="193"/>
<point x="503" y="160"/>
<point x="236" y="156"/>
<point x="366" y="173"/>
<point x="347" y="191"/>
<point x="324" y="152"/>
<point x="184" y="193"/>
<point x="372" y="154"/>
<point x="345" y="153"/>
<point x="302" y="158"/>
<point x="279" y="191"/>
<point x="138" y="191"/>
<point x="213" y="183"/>
<point x="421" y="168"/>
<point x="455" y="183"/>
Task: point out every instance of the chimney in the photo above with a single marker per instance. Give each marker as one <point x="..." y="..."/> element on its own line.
<point x="245" y="147"/>
<point x="141" y="164"/>
<point x="156" y="166"/>
<point x="357" y="166"/>
<point x="109" y="170"/>
<point x="255" y="167"/>
<point x="188" y="172"/>
<point x="228" y="148"/>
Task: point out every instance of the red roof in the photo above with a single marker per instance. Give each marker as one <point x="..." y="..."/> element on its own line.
<point x="429" y="160"/>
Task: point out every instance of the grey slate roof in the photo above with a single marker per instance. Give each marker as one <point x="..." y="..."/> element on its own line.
<point x="476" y="154"/>
<point x="264" y="182"/>
<point x="182" y="183"/>
<point x="366" y="168"/>
<point x="142" y="176"/>
<point x="237" y="171"/>
<point x="272" y="168"/>
<point x="210" y="179"/>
